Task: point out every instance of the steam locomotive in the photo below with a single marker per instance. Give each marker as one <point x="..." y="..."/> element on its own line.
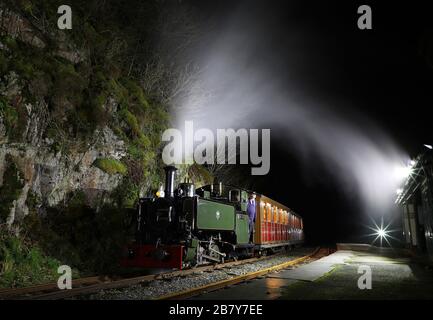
<point x="184" y="227"/>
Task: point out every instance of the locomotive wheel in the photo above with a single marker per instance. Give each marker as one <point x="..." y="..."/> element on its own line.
<point x="212" y="253"/>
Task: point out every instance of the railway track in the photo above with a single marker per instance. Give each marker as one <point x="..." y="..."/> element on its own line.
<point x="48" y="287"/>
<point x="89" y="285"/>
<point x="317" y="254"/>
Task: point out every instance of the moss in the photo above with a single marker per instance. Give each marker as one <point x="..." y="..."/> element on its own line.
<point x="143" y="141"/>
<point x="136" y="93"/>
<point x="11" y="188"/>
<point x="68" y="84"/>
<point x="77" y="199"/>
<point x="15" y="119"/>
<point x="99" y="101"/>
<point x="110" y="166"/>
<point x="23" y="67"/>
<point x="32" y="201"/>
<point x="9" y="115"/>
<point x="118" y="91"/>
<point x="131" y="120"/>
<point x="127" y="194"/>
<point x="10" y="42"/>
<point x="135" y="151"/>
<point x="27" y="6"/>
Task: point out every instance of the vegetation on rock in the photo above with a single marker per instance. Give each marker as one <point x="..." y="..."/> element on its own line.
<point x="111" y="166"/>
<point x="57" y="98"/>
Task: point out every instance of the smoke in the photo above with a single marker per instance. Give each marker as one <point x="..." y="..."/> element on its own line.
<point x="248" y="81"/>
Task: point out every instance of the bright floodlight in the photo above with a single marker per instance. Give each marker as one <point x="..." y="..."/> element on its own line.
<point x="428" y="146"/>
<point x="381" y="232"/>
<point x="403" y="172"/>
<point x="399" y="191"/>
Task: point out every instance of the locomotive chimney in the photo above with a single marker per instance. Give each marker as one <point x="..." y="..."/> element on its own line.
<point x="170" y="172"/>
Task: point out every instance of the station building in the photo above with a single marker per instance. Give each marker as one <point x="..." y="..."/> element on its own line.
<point x="416" y="201"/>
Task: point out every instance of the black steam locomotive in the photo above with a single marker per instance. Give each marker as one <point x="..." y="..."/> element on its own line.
<point x="182" y="227"/>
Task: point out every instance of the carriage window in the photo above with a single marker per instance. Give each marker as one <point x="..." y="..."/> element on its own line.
<point x="234" y="195"/>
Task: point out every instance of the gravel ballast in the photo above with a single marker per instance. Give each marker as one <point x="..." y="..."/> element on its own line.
<point x="154" y="289"/>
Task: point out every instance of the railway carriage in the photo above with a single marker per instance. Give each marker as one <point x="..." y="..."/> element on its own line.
<point x="184" y="227"/>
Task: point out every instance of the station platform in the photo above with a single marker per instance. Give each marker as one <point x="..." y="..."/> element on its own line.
<point x="394" y="275"/>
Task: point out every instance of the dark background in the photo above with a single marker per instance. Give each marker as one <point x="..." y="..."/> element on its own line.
<point x="385" y="72"/>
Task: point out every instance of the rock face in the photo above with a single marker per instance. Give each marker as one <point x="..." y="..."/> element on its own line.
<point x="16" y="26"/>
<point x="46" y="173"/>
<point x="51" y="176"/>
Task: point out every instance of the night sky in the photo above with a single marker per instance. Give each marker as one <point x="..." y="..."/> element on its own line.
<point x="383" y="72"/>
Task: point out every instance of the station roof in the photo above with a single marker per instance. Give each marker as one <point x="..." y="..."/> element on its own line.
<point x="421" y="169"/>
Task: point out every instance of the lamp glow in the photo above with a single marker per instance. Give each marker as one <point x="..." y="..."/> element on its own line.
<point x="403" y="172"/>
<point x="160" y="193"/>
<point x="381" y="233"/>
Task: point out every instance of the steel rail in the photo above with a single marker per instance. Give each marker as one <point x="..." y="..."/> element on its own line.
<point x="224" y="283"/>
<point x="10" y="293"/>
<point x="93" y="284"/>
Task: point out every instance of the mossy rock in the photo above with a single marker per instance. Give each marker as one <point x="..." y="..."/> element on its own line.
<point x="111" y="166"/>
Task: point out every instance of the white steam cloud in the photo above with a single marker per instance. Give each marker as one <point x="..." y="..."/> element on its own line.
<point x="240" y="86"/>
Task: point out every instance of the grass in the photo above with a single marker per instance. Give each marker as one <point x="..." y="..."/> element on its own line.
<point x="111" y="166"/>
<point x="22" y="263"/>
